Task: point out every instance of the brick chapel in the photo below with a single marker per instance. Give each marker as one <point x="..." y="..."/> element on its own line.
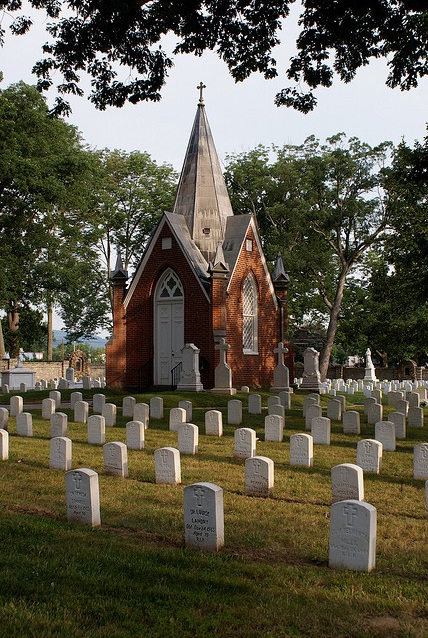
<point x="203" y="277"/>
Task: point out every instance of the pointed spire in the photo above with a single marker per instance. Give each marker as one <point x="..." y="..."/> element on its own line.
<point x="202" y="196"/>
<point x="218" y="264"/>
<point x="119" y="272"/>
<point x="279" y="275"/>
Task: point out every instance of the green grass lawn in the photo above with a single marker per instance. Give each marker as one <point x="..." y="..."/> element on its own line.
<point x="134" y="577"/>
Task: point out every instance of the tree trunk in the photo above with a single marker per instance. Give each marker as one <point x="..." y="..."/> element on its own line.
<point x="13" y="323"/>
<point x="50" y="332"/>
<point x="332" y="324"/>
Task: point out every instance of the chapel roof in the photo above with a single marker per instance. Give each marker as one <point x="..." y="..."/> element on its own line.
<point x="202" y="197"/>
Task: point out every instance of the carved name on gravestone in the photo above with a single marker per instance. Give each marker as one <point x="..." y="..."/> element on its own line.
<point x="81" y="411"/>
<point x="385" y="433"/>
<point x="274" y="428"/>
<point x="188" y="436"/>
<point x="347" y="481"/>
<point x="351" y="422"/>
<point x="109" y="413"/>
<point x="301" y="450"/>
<point x="167" y="466"/>
<point x="156" y="408"/>
<point x="116" y="459"/>
<point x="96" y="429"/>
<point x="141" y="413"/>
<point x="244" y="443"/>
<point x="234" y="412"/>
<point x="98" y="403"/>
<point x="4" y="418"/>
<point x="320" y="430"/>
<point x="204" y="516"/>
<point x="59" y="424"/>
<point x="213" y="423"/>
<point x="4" y="445"/>
<point x="369" y="455"/>
<point x="83" y="497"/>
<point x="135" y="435"/>
<point x="60" y="453"/>
<point x="177" y="416"/>
<point x="24" y="424"/>
<point x="420" y="461"/>
<point x="254" y="404"/>
<point x="128" y="404"/>
<point x="352" y="536"/>
<point x="259" y="476"/>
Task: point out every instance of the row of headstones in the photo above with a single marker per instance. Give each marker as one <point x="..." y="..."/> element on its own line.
<point x="59" y="384"/>
<point x="352" y="386"/>
<point x="353" y="523"/>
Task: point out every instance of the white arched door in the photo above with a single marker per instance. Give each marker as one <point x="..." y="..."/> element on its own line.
<point x="169" y="326"/>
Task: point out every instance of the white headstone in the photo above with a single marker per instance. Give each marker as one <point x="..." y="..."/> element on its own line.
<point x="309" y="401"/>
<point x="16" y="405"/>
<point x="352" y="536"/>
<point x="81" y="411"/>
<point x="128" y="404"/>
<point x="420" y="461"/>
<point x="56" y="396"/>
<point x="83" y="497"/>
<point x="413" y="399"/>
<point x="415" y="417"/>
<point x="190" y="377"/>
<point x="167" y="466"/>
<point x="204" y="516"/>
<point x="281" y="380"/>
<point x="4" y="445"/>
<point x="59" y="423"/>
<point x="135" y="435"/>
<point x="5" y="388"/>
<point x="188" y="436"/>
<point x="48" y="408"/>
<point x="334" y="410"/>
<point x="374" y="413"/>
<point x="259" y="476"/>
<point x="368" y="401"/>
<point x="401" y="405"/>
<point x="311" y="412"/>
<point x="177" y="416"/>
<point x="69" y="374"/>
<point x="223" y="372"/>
<point x="109" y="413"/>
<point x="274" y="428"/>
<point x="116" y="459"/>
<point x="385" y="433"/>
<point x="23" y="387"/>
<point x="347" y="482"/>
<point x="74" y="398"/>
<point x="311" y="374"/>
<point x="369" y="455"/>
<point x="351" y="422"/>
<point x="4" y="418"/>
<point x="96" y="429"/>
<point x="245" y="389"/>
<point x="321" y="430"/>
<point x="187" y="405"/>
<point x="63" y="384"/>
<point x="213" y="423"/>
<point x="244" y="443"/>
<point x="399" y="420"/>
<point x="98" y="403"/>
<point x="86" y="382"/>
<point x="254" y="404"/>
<point x="24" y="424"/>
<point x="301" y="450"/>
<point x="278" y="410"/>
<point x="234" y="412"/>
<point x="142" y="413"/>
<point x="156" y="408"/>
<point x="285" y="399"/>
<point x="60" y="453"/>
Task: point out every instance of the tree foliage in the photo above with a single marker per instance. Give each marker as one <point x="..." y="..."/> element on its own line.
<point x="335" y="37"/>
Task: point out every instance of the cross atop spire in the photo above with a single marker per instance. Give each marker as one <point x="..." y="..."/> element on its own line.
<point x="201" y="87"/>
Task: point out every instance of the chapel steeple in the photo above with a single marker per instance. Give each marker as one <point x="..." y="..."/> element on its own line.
<point x="202" y="196"/>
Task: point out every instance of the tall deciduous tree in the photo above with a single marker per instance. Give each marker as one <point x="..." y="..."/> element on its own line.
<point x="335" y="37"/>
<point x="323" y="207"/>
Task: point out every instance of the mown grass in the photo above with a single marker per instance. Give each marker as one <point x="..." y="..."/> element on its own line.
<point x="134" y="577"/>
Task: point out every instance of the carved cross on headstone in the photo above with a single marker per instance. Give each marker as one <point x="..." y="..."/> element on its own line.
<point x="164" y="455"/>
<point x="199" y="494"/>
<point x="223" y="347"/>
<point x="77" y="478"/>
<point x="281" y="350"/>
<point x="201" y="87"/>
<point x="350" y="511"/>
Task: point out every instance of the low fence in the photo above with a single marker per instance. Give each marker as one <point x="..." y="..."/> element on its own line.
<point x="51" y="369"/>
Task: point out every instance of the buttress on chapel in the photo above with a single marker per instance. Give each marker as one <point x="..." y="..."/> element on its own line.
<point x="202" y="277"/>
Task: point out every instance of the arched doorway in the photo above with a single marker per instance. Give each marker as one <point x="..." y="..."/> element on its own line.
<point x="168" y="326"/>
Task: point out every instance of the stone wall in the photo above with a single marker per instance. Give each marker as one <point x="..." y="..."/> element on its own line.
<point x="51" y="369"/>
<point x="383" y="374"/>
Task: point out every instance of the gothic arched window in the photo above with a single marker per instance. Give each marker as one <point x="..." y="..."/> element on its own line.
<point x="249" y="316"/>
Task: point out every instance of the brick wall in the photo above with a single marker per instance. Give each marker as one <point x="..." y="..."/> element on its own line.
<point x="116" y="346"/>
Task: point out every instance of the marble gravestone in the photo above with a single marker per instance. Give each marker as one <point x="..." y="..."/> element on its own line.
<point x="141" y="412"/>
<point x="204" y="516"/>
<point x="98" y="403"/>
<point x="311" y="374"/>
<point x="156" y="408"/>
<point x="420" y="461"/>
<point x="301" y="450"/>
<point x="213" y="423"/>
<point x="254" y="404"/>
<point x="116" y="459"/>
<point x="60" y="453"/>
<point x="96" y="429"/>
<point x="190" y="377"/>
<point x="347" y="482"/>
<point x="369" y="455"/>
<point x="351" y="422"/>
<point x="128" y="404"/>
<point x="4" y="445"/>
<point x="177" y="416"/>
<point x="234" y="412"/>
<point x="385" y="433"/>
<point x="320" y="430"/>
<point x="244" y="443"/>
<point x="167" y="466"/>
<point x="59" y="423"/>
<point x="4" y="418"/>
<point x="109" y="414"/>
<point x="188" y="438"/>
<point x="352" y="536"/>
<point x="259" y="476"/>
<point x="135" y="435"/>
<point x="24" y="424"/>
<point x="83" y="497"/>
<point x="274" y="428"/>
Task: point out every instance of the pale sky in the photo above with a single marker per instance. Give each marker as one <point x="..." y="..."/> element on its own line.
<point x="241" y="115"/>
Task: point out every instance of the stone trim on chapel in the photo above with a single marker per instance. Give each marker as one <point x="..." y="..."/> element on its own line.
<point x="203" y="277"/>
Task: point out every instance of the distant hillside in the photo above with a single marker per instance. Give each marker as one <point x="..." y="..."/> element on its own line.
<point x="95" y="342"/>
